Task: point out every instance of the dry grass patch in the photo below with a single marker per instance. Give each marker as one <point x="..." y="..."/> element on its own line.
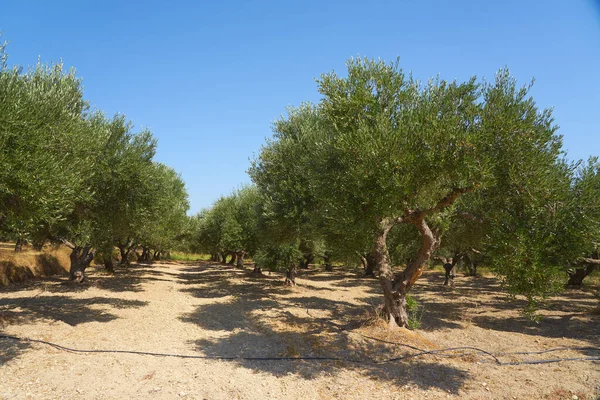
<point x="30" y="264"/>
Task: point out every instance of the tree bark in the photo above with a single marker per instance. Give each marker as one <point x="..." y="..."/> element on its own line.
<point x="579" y="274"/>
<point x="124" y="251"/>
<point x="290" y="276"/>
<point x="108" y="263"/>
<point x="19" y="245"/>
<point x="240" y="259"/>
<point x="81" y="257"/>
<point x="327" y="262"/>
<point x="308" y="258"/>
<point x="449" y="265"/>
<point x="370" y="262"/>
<point x="395" y="288"/>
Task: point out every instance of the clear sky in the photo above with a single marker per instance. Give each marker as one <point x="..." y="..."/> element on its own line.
<point x="209" y="77"/>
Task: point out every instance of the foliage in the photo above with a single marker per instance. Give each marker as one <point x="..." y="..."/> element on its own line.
<point x="280" y="257"/>
<point x="231" y="225"/>
<point x="70" y="173"/>
<point x="415" y="312"/>
<point x="382" y="148"/>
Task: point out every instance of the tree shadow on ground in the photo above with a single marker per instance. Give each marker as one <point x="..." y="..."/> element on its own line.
<point x="256" y="337"/>
<point x="483" y="302"/>
<point x="565" y="326"/>
<point x="124" y="279"/>
<point x="262" y="318"/>
<point x="10" y="349"/>
<point x="63" y="308"/>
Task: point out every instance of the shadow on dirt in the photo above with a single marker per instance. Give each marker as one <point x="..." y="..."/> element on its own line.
<point x="482" y="302"/>
<point x="262" y="318"/>
<point x="63" y="308"/>
<point x="10" y="349"/>
<point x="124" y="279"/>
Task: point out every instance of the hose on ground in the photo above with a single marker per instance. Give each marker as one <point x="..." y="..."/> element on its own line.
<point x="420" y="353"/>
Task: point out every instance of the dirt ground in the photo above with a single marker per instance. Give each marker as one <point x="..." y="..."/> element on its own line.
<point x="204" y="309"/>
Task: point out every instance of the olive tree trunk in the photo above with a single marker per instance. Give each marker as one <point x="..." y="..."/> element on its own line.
<point x="81" y="257"/>
<point x="577" y="276"/>
<point x="240" y="259"/>
<point x="124" y="252"/>
<point x="308" y="258"/>
<point x="108" y="263"/>
<point x="396" y="287"/>
<point x="290" y="275"/>
<point x="327" y="262"/>
<point x="19" y="245"/>
<point x="370" y="262"/>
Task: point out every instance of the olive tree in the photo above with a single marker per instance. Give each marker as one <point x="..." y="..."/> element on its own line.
<point x="164" y="220"/>
<point x="584" y="222"/>
<point x="45" y="148"/>
<point x="69" y="173"/>
<point x="230" y="226"/>
<point x="387" y="150"/>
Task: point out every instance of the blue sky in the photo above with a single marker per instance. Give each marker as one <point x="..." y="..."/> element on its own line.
<point x="209" y="77"/>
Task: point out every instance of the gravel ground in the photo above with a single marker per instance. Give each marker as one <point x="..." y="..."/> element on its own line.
<point x="209" y="310"/>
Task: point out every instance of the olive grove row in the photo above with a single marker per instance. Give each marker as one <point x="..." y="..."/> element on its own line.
<point x="389" y="171"/>
<point x="69" y="174"/>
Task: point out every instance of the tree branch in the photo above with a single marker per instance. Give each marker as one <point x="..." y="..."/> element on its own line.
<point x="449" y="199"/>
<point x="592" y="261"/>
<point x="416" y="216"/>
<point x="68" y="244"/>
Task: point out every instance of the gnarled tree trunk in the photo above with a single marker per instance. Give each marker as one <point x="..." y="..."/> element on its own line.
<point x="81" y="257"/>
<point x="108" y="263"/>
<point x="370" y="262"/>
<point x="124" y="252"/>
<point x="19" y="245"/>
<point x="327" y="262"/>
<point x="395" y="288"/>
<point x="308" y="258"/>
<point x="579" y="274"/>
<point x="449" y="268"/>
<point x="240" y="259"/>
<point x="290" y="276"/>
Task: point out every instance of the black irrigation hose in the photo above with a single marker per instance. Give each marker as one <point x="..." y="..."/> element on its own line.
<point x="551" y="350"/>
<point x="485" y="352"/>
<point x="146" y="353"/>
<point x="423" y="352"/>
